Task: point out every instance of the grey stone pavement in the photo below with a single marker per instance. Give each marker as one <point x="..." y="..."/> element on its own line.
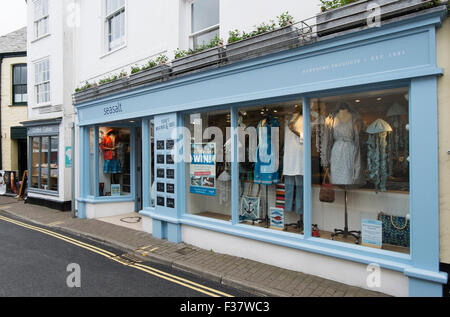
<point x="247" y="275"/>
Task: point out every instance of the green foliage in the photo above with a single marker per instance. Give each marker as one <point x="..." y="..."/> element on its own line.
<point x="284" y="20"/>
<point x="327" y="5"/>
<point x="216" y="41"/>
<point x="86" y="86"/>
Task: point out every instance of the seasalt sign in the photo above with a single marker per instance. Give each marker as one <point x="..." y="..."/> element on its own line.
<point x="110" y="110"/>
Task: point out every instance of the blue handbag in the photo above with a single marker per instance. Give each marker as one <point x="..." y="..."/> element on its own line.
<point x="396" y="230"/>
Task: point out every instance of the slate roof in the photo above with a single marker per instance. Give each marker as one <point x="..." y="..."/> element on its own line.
<point x="14" y="42"/>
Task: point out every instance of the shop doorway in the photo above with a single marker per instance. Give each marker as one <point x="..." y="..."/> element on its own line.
<point x="22" y="156"/>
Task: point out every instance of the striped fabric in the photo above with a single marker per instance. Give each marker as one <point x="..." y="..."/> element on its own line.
<point x="280" y="194"/>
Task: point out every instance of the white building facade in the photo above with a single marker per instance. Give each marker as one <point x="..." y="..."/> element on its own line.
<point x="50" y="109"/>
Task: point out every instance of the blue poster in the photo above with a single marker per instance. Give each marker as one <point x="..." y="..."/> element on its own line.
<point x="203" y="169"/>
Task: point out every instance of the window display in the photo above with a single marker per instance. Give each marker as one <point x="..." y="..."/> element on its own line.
<point x="114" y="161"/>
<point x="271" y="166"/>
<point x="208" y="173"/>
<point x="361" y="150"/>
<point x="44" y="163"/>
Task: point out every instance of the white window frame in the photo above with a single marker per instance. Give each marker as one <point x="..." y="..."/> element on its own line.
<point x="42" y="82"/>
<point x="41" y="18"/>
<point x="193" y="35"/>
<point x="121" y="42"/>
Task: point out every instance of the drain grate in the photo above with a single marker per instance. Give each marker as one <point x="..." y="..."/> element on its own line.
<point x="128" y="258"/>
<point x="185" y="251"/>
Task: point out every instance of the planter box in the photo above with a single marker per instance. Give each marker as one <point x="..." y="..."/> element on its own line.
<point x="113" y="86"/>
<point x="356" y="14"/>
<point x="207" y="58"/>
<point x="154" y="74"/>
<point x="85" y="94"/>
<point x="263" y="44"/>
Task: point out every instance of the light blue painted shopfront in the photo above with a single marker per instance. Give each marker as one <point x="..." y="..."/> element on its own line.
<point x="399" y="54"/>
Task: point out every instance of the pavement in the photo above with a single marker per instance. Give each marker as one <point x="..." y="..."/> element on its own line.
<point x="246" y="275"/>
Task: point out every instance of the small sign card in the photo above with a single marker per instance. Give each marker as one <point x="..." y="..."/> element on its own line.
<point x="372" y="233"/>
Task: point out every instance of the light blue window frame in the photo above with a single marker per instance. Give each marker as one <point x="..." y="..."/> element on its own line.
<point x="88" y="176"/>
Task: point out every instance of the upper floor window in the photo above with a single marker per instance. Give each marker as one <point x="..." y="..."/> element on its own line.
<point x="42" y="81"/>
<point x="19" y="84"/>
<point x="115" y="23"/>
<point x="205" y="21"/>
<point x="40" y="18"/>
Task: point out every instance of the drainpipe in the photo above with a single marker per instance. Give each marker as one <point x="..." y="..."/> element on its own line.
<point x="74" y="212"/>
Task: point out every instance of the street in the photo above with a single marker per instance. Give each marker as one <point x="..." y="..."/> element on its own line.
<point x="37" y="261"/>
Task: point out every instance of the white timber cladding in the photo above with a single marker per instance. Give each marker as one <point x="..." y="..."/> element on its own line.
<point x="115" y="35"/>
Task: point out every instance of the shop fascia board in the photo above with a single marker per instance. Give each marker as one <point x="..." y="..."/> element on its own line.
<point x="392" y="30"/>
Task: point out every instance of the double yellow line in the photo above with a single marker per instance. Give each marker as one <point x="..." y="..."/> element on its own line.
<point x="147" y="269"/>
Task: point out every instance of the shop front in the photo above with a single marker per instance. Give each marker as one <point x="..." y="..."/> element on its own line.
<point x="240" y="159"/>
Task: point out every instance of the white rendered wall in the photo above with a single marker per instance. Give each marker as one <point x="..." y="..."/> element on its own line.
<point x="350" y="273"/>
<point x="94" y="211"/>
<point x="160" y="27"/>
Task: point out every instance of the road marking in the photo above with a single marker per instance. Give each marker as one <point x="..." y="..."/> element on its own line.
<point x="150" y="270"/>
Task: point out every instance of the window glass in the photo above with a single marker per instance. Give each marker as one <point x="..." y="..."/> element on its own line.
<point x="208" y="173"/>
<point x="205" y="13"/>
<point x="40" y="18"/>
<point x="35" y="170"/>
<point x="44" y="163"/>
<point x="19" y="84"/>
<point x="42" y="81"/>
<point x="114" y="161"/>
<point x="92" y="149"/>
<point x="271" y="166"/>
<point x="360" y="145"/>
<point x="115" y="20"/>
<point x="54" y="144"/>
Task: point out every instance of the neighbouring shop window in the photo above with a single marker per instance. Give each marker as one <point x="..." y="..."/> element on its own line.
<point x="205" y="21"/>
<point x="42" y="81"/>
<point x="115" y="23"/>
<point x="114" y="161"/>
<point x="360" y="145"/>
<point x="19" y="84"/>
<point x="271" y="167"/>
<point x="41" y="18"/>
<point x="44" y="163"/>
<point x="208" y="172"/>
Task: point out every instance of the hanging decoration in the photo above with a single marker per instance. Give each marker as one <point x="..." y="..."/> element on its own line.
<point x="377" y="154"/>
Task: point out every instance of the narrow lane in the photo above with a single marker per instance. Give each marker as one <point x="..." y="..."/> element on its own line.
<point x="34" y="262"/>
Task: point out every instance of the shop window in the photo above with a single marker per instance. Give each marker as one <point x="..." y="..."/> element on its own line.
<point x="114" y="161"/>
<point x="19" y="84"/>
<point x="44" y="163"/>
<point x="205" y="21"/>
<point x="271" y="166"/>
<point x="115" y="23"/>
<point x="208" y="173"/>
<point x="360" y="145"/>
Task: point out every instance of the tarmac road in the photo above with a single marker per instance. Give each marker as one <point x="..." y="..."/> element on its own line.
<point x="34" y="261"/>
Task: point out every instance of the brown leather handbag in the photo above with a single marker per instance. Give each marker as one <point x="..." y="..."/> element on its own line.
<point x="326" y="194"/>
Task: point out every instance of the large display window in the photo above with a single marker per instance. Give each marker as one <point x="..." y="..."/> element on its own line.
<point x="360" y="169"/>
<point x="208" y="172"/>
<point x="44" y="163"/>
<point x="271" y="167"/>
<point x="114" y="172"/>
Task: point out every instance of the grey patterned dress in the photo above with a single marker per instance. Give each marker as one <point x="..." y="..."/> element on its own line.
<point x="340" y="150"/>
